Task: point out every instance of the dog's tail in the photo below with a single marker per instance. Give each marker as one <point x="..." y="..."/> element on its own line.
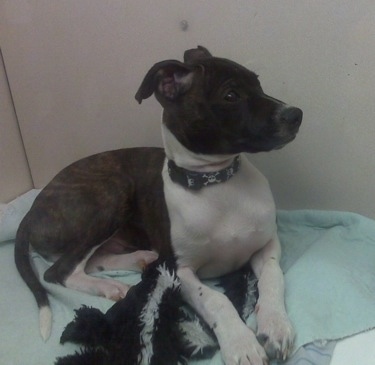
<point x="23" y="264"/>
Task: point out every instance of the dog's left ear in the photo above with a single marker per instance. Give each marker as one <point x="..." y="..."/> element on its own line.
<point x="196" y="54"/>
<point x="169" y="79"/>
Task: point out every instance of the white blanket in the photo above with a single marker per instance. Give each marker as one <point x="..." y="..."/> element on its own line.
<point x="329" y="265"/>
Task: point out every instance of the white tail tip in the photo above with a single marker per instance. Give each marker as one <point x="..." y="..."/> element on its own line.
<point x="45" y="322"/>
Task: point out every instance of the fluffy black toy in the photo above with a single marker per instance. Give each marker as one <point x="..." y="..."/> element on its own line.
<point x="151" y="325"/>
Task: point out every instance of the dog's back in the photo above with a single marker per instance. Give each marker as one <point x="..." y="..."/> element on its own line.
<point x="84" y="205"/>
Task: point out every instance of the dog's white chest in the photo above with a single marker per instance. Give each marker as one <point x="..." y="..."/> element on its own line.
<point x="216" y="229"/>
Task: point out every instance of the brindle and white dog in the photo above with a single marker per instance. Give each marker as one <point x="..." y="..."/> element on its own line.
<point x="199" y="198"/>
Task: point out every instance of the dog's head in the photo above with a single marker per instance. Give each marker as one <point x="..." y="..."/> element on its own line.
<point x="216" y="106"/>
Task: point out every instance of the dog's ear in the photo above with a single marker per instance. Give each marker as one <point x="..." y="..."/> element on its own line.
<point x="196" y="54"/>
<point x="169" y="79"/>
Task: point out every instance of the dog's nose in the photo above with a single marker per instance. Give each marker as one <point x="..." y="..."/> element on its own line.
<point x="292" y="116"/>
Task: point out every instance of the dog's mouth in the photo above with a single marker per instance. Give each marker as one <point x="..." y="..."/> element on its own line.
<point x="284" y="138"/>
<point x="285" y="142"/>
<point x="270" y="144"/>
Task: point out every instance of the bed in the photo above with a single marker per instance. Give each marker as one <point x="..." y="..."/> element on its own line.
<point x="329" y="265"/>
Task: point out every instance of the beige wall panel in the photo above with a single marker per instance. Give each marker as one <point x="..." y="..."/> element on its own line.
<point x="74" y="67"/>
<point x="14" y="173"/>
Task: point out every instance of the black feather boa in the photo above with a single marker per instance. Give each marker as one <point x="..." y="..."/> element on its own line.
<point x="152" y="325"/>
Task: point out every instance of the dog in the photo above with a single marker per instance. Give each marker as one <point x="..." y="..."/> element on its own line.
<point x="199" y="199"/>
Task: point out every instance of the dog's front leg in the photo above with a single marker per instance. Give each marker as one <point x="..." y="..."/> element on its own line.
<point x="275" y="331"/>
<point x="237" y="342"/>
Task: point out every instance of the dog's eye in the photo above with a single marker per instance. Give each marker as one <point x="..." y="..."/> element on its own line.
<point x="231" y="96"/>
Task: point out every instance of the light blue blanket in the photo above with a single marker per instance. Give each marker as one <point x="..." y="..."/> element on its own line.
<point x="328" y="260"/>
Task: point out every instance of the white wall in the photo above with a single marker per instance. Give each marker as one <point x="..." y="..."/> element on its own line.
<point x="74" y="67"/>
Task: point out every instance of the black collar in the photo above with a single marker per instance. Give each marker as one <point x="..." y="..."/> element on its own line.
<point x="197" y="180"/>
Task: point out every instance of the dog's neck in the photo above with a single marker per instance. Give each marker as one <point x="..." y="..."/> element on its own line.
<point x="189" y="160"/>
<point x="195" y="171"/>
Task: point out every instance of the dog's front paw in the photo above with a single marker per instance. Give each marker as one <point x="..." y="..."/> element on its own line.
<point x="243" y="348"/>
<point x="275" y="333"/>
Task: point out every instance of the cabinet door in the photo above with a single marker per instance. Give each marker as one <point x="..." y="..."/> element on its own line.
<point x="14" y="171"/>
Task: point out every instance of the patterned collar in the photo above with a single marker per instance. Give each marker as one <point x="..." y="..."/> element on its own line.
<point x="197" y="180"/>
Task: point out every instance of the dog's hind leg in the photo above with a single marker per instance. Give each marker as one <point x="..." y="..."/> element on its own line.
<point x="69" y="270"/>
<point x="117" y="253"/>
<point x="108" y="288"/>
<point x="132" y="261"/>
